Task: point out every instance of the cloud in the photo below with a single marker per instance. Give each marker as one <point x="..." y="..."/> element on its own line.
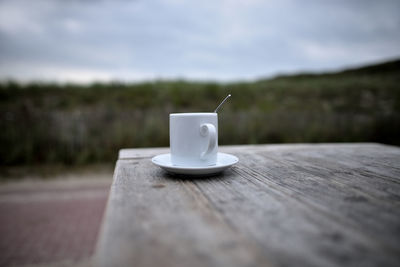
<point x="219" y="40"/>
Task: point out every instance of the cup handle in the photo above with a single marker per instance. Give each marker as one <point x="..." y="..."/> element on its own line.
<point x="208" y="129"/>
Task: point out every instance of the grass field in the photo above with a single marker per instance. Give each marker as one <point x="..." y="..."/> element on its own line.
<point x="76" y="124"/>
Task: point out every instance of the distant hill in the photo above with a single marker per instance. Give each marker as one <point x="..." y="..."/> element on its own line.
<point x="392" y="66"/>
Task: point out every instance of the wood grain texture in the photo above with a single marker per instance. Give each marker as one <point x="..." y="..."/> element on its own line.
<point x="281" y="205"/>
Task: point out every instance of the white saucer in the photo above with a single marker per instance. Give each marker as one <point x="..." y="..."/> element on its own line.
<point x="224" y="161"/>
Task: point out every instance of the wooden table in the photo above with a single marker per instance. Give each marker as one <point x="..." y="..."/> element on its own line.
<point x="281" y="205"/>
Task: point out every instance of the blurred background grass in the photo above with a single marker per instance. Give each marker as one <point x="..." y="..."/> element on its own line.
<point x="80" y="124"/>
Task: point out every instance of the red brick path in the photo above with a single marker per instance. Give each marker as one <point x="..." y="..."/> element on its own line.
<point x="50" y="223"/>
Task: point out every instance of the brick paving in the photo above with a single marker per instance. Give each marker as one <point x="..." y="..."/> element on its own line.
<point x="50" y="223"/>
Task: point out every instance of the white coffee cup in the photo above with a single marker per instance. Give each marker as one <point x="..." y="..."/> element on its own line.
<point x="193" y="139"/>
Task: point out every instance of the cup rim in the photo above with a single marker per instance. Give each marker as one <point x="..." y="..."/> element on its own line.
<point x="193" y="114"/>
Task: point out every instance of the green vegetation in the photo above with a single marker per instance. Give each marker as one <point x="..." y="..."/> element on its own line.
<point x="75" y="124"/>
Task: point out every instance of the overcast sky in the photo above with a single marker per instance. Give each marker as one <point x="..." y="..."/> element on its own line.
<point x="82" y="41"/>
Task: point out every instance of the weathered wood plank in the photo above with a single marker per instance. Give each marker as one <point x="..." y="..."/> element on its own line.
<point x="380" y="220"/>
<point x="348" y="172"/>
<point x="303" y="205"/>
<point x="381" y="161"/>
<point x="290" y="231"/>
<point x="152" y="220"/>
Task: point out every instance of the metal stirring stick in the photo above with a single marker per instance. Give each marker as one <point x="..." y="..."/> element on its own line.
<point x="223" y="101"/>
